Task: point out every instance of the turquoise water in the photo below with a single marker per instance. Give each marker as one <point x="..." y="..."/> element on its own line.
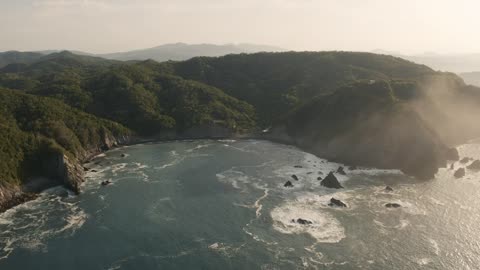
<point x="222" y="205"/>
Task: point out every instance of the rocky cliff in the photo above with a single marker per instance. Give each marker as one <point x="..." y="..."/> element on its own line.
<point x="365" y="124"/>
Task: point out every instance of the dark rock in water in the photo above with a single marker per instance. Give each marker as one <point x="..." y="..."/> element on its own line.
<point x="106" y="183"/>
<point x="288" y="184"/>
<point x="459" y="173"/>
<point x="392" y="205"/>
<point x="303" y="221"/>
<point x="123" y="155"/>
<point x="331" y="181"/>
<point x="388" y="188"/>
<point x="452" y="154"/>
<point x="465" y="160"/>
<point x="475" y="165"/>
<point x="335" y="202"/>
<point x="298" y="166"/>
<point x="294" y="177"/>
<point x="309" y="172"/>
<point x="86" y="162"/>
<point x="341" y="171"/>
<point x="352" y="168"/>
<point x="93" y="170"/>
<point x="452" y="167"/>
<point x="319" y="178"/>
<point x="85" y="169"/>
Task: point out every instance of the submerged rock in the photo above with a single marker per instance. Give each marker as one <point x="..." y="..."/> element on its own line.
<point x="295" y="177"/>
<point x="335" y="202"/>
<point x="298" y="166"/>
<point x="320" y="172"/>
<point x="465" y="160"/>
<point x="452" y="167"/>
<point x="475" y="165"/>
<point x="388" y="189"/>
<point x="309" y="172"/>
<point x="85" y="169"/>
<point x="341" y="171"/>
<point x="123" y="155"/>
<point x="459" y="173"/>
<point x="304" y="221"/>
<point x="288" y="184"/>
<point x="392" y="205"/>
<point x="331" y="181"/>
<point x="352" y="168"/>
<point x="319" y="178"/>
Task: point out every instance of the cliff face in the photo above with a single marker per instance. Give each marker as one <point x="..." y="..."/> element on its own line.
<point x="12" y="195"/>
<point x="366" y="125"/>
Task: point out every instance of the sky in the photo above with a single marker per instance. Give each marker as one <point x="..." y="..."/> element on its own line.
<point x="101" y="26"/>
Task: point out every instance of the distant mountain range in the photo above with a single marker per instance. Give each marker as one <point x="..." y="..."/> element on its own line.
<point x="182" y="51"/>
<point x="162" y="53"/>
<point x="472" y="78"/>
<point x="466" y="66"/>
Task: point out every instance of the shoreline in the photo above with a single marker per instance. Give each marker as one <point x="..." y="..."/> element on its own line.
<point x="20" y="196"/>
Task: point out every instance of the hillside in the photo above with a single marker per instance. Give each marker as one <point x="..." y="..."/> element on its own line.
<point x="43" y="137"/>
<point x="365" y="124"/>
<point x="11" y="57"/>
<point x="357" y="108"/>
<point x="278" y="82"/>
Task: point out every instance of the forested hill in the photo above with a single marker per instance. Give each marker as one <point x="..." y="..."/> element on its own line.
<point x="278" y="82"/>
<point x="72" y="102"/>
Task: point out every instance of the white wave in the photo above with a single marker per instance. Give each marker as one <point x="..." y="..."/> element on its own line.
<point x="234" y="178"/>
<point x="118" y="167"/>
<point x="434" y="244"/>
<point x="175" y="162"/>
<point x="423" y="261"/>
<point x="227" y="141"/>
<point x="324" y="228"/>
<point x="30" y="224"/>
<point x="198" y="147"/>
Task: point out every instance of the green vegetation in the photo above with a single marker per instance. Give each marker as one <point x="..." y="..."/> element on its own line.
<point x="59" y="103"/>
<point x="33" y="128"/>
<point x="278" y="82"/>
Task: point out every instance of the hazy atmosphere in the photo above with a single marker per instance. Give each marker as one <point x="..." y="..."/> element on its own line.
<point x="101" y="26"/>
<point x="239" y="134"/>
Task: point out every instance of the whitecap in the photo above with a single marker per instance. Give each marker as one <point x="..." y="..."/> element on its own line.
<point x="324" y="228"/>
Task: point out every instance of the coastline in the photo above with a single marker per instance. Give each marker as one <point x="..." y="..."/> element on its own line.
<point x="72" y="172"/>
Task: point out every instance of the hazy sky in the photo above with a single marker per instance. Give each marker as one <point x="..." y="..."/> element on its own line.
<point x="408" y="26"/>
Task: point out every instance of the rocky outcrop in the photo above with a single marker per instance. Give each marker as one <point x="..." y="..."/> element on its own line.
<point x="465" y="160"/>
<point x="294" y="177"/>
<point x="392" y="205"/>
<point x="288" y="184"/>
<point x="341" y="171"/>
<point x="388" y="189"/>
<point x="303" y="221"/>
<point x="475" y="165"/>
<point x="365" y="125"/>
<point x="452" y="154"/>
<point x="335" y="202"/>
<point x="459" y="173"/>
<point x="12" y="195"/>
<point x="331" y="181"/>
<point x="64" y="170"/>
